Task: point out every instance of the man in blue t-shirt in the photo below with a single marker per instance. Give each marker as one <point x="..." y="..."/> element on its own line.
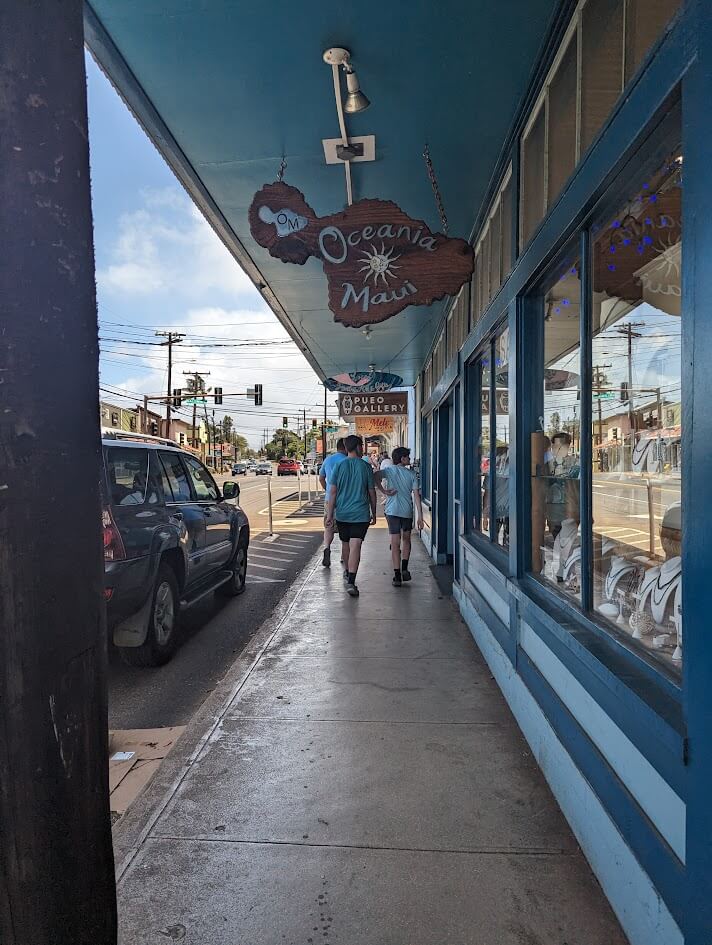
<point x="325" y="474"/>
<point x="352" y="506"/>
<point x="401" y="486"/>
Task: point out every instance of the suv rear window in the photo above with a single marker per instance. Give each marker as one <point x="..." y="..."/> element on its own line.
<point x="127" y="472"/>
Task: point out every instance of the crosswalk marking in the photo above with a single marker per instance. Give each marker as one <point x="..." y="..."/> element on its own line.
<point x="265" y="567"/>
<point x="261" y="579"/>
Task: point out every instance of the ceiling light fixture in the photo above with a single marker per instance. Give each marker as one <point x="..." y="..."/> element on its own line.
<point x="356" y="101"/>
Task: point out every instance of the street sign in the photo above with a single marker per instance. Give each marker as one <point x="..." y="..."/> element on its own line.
<point x="605" y="395"/>
<point x="195" y="401"/>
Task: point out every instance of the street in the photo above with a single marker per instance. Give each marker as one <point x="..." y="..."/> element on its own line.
<point x="216" y="629"/>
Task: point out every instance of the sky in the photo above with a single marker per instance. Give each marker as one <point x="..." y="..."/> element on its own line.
<point x="159" y="267"/>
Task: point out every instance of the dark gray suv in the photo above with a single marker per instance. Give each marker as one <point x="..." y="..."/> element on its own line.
<point x="170" y="538"/>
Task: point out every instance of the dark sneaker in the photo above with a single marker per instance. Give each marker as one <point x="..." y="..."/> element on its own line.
<point x="406" y="575"/>
<point x="326" y="559"/>
<point x="397" y="582"/>
<point x="352" y="590"/>
<point x="346" y="574"/>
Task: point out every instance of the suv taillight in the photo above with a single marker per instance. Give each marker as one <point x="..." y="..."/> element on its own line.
<point x="113" y="545"/>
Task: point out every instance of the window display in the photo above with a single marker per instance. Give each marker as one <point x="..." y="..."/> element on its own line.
<point x="483" y="446"/>
<point x="556" y="445"/>
<point x="501" y="412"/>
<point x="637" y="413"/>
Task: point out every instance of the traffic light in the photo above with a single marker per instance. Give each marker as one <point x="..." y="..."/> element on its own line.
<point x="258" y="395"/>
<point x="154" y="428"/>
<point x="285" y="422"/>
<point x="177" y="394"/>
<point x="313" y="423"/>
<point x="218" y="395"/>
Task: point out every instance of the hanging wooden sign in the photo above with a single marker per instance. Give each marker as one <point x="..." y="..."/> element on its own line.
<point x="377" y="260"/>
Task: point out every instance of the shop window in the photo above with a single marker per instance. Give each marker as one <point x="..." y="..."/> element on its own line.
<point x="428" y="379"/>
<point x="486" y="262"/>
<point x="615" y="36"/>
<point x="500" y="473"/>
<point x="495" y="252"/>
<point x="425" y="465"/>
<point x="484" y="451"/>
<point x="490" y="515"/>
<point x="601" y="64"/>
<point x="555" y="446"/>
<point x="476" y="294"/>
<point x="506" y="216"/>
<point x="561" y="148"/>
<point x="645" y="21"/>
<point x="636" y="403"/>
<point x="533" y="170"/>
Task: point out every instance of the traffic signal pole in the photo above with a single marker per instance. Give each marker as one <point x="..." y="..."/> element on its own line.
<point x="56" y="863"/>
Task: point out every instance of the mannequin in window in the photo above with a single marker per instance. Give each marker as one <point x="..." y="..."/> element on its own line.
<point x="562" y="495"/>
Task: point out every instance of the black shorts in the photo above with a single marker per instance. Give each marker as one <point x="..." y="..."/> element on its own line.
<point x="349" y="530"/>
<point x="398" y="524"/>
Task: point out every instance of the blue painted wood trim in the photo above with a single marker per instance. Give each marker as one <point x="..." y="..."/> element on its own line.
<point x="498" y="629"/>
<point x="697" y="447"/>
<point x="516" y="366"/>
<point x="613" y="658"/>
<point x="653" y="853"/>
<point x="586" y="458"/>
<point x="661" y="743"/>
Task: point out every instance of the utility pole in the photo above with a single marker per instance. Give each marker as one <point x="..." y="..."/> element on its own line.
<point x="173" y="338"/>
<point x="56" y="862"/>
<point x="323" y="430"/>
<point x="304" y="416"/>
<point x="598" y="380"/>
<point x="629" y="332"/>
<point x="198" y="386"/>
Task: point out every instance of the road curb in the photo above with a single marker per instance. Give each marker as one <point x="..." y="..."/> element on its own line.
<point x="134" y="827"/>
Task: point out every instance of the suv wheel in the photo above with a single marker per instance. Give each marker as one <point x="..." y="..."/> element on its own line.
<point x="162" y="636"/>
<point x="236" y="584"/>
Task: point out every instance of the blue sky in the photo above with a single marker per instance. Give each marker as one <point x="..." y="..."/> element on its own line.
<point x="160" y="266"/>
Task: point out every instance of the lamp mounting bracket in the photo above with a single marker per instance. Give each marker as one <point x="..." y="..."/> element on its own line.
<point x="337" y="56"/>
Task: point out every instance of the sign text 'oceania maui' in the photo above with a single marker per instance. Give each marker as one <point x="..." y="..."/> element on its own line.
<point x="377" y="260"/>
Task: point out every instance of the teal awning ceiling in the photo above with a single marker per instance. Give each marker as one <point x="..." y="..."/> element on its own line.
<point x="225" y="88"/>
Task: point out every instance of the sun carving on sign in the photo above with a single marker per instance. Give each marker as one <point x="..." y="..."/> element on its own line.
<point x="379" y="265"/>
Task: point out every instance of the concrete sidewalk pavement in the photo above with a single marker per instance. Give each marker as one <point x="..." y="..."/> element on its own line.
<point x="366" y="785"/>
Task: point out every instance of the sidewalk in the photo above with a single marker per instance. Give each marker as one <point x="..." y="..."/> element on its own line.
<point x="366" y="785"/>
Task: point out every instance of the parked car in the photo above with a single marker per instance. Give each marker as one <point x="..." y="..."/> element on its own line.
<point x="239" y="469"/>
<point x="263" y="469"/>
<point x="170" y="538"/>
<point x="287" y="467"/>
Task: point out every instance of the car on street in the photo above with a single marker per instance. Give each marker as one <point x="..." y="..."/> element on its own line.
<point x="263" y="469"/>
<point x="171" y="537"/>
<point x="288" y="467"/>
<point x="239" y="469"/>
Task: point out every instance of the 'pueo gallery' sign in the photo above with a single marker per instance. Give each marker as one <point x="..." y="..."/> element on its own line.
<point x="373" y="405"/>
<point x="377" y="260"/>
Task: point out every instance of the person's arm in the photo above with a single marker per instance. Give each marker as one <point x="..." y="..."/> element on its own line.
<point x="372" y="500"/>
<point x="378" y="478"/>
<point x="330" y="505"/>
<point x="322" y="481"/>
<point x="418" y="508"/>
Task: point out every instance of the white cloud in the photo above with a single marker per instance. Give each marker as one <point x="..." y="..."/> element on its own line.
<point x="167" y="246"/>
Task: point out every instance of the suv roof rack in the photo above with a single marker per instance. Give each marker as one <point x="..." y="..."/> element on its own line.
<point x="108" y="433"/>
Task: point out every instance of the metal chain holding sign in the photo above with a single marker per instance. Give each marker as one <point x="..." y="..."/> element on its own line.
<point x="282" y="169"/>
<point x="436" y="189"/>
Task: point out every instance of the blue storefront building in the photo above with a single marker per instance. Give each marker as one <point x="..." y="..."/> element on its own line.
<point x="563" y="392"/>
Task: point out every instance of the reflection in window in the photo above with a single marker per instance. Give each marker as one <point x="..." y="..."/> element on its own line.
<point x="501" y="471"/>
<point x="555" y="447"/>
<point x="483" y="444"/>
<point x="637" y="414"/>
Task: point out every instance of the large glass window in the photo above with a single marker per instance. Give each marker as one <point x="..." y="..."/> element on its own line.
<point x="491" y="461"/>
<point x="617" y="549"/>
<point x="604" y="46"/>
<point x="637" y="413"/>
<point x="556" y="444"/>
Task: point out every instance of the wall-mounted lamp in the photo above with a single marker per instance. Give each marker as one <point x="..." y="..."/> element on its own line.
<point x="338" y="57"/>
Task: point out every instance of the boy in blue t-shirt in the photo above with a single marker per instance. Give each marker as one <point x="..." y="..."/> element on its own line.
<point x="326" y="474"/>
<point x="401" y="486"/>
